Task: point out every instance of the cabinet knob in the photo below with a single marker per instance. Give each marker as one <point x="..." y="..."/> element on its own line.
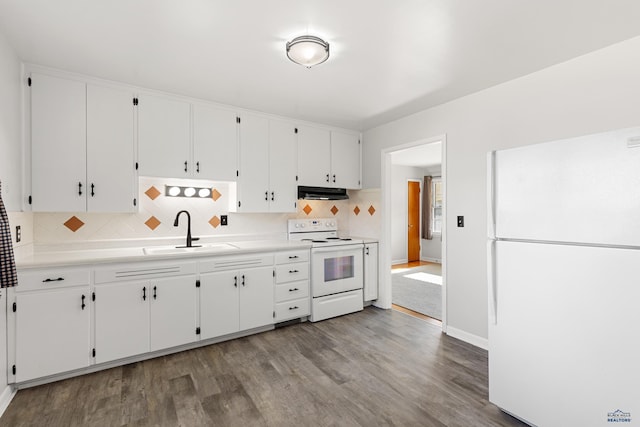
<point x="144" y="293"/>
<point x="334" y="177"/>
<point x="93" y="187"/>
<point x="155" y="293"/>
<point x="197" y="167"/>
<point x="266" y="195"/>
<point x="185" y="166"/>
<point x="83" y="304"/>
<point x="79" y="189"/>
<point x="327" y="177"/>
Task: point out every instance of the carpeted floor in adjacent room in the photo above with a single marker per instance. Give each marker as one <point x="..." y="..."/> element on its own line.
<point x="419" y="289"/>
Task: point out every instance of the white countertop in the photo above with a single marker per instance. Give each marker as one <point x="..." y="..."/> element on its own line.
<point x="64" y="258"/>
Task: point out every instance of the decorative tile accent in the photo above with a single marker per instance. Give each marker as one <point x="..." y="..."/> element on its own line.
<point x="215" y="195"/>
<point x="215" y="221"/>
<point x="152" y="222"/>
<point x="73" y="223"/>
<point x="371" y="210"/>
<point x="152" y="193"/>
<point x="334" y="210"/>
<point x="307" y="209"/>
<point x="356" y="210"/>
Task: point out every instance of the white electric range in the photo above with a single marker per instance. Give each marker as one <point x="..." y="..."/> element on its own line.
<point x="336" y="267"/>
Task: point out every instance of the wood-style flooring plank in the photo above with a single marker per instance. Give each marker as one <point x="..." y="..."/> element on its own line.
<point x="374" y="367"/>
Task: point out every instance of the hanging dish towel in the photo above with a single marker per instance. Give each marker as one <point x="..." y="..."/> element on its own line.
<point x="8" y="276"/>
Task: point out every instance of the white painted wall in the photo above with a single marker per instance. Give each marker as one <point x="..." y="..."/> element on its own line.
<point x="592" y="93"/>
<point x="10" y="125"/>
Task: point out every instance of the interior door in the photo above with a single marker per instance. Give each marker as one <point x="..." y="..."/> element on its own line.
<point x="413" y="221"/>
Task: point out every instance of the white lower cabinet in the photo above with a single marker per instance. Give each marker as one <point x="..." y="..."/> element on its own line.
<point x="137" y="310"/>
<point x="52" y="332"/>
<point x="370" y="271"/>
<point x="236" y="300"/>
<point x="292" y="285"/>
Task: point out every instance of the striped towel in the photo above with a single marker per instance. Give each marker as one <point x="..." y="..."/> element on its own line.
<point x="8" y="276"/>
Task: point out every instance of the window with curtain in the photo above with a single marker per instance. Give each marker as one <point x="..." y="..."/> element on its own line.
<point x="436" y="205"/>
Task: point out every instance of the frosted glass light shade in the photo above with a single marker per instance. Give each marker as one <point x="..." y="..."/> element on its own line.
<point x="308" y="50"/>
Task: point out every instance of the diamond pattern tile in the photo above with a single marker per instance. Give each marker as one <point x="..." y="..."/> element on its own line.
<point x="152" y="193"/>
<point x="152" y="222"/>
<point x="356" y="210"/>
<point x="74" y="223"/>
<point x="371" y="210"/>
<point x="334" y="210"/>
<point x="215" y="221"/>
<point x="307" y="209"/>
<point x="215" y="195"/>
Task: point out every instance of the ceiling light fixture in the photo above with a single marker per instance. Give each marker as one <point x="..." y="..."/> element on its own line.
<point x="308" y="50"/>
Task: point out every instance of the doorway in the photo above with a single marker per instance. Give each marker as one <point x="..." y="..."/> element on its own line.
<point x="395" y="248"/>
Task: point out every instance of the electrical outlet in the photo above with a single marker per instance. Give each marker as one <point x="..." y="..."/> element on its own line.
<point x="223" y="220"/>
<point x="18" y="234"/>
<point x="460" y="221"/>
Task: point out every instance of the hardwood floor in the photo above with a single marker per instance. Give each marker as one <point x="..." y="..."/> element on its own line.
<point x="375" y="367"/>
<point x="411" y="264"/>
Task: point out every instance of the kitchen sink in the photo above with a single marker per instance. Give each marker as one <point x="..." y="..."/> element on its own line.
<point x="204" y="248"/>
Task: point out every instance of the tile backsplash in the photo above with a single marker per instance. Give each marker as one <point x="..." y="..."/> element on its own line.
<point x="156" y="213"/>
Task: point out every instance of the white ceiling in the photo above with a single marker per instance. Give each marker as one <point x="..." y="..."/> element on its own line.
<point x="425" y="155"/>
<point x="388" y="58"/>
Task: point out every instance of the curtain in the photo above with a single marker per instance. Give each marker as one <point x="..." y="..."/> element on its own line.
<point x="8" y="276"/>
<point x="427" y="208"/>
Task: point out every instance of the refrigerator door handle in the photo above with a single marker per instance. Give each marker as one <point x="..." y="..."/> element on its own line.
<point x="491" y="202"/>
<point x="491" y="281"/>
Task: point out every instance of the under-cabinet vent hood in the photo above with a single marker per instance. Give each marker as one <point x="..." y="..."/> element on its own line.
<point x="322" y="193"/>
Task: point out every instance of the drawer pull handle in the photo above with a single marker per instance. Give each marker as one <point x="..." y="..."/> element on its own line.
<point x="59" y="279"/>
<point x="243" y="280"/>
<point x="83" y="304"/>
<point x="293" y="256"/>
<point x="294" y="271"/>
<point x="155" y="293"/>
<point x="294" y="289"/>
<point x="144" y="293"/>
<point x="295" y="307"/>
<point x="235" y="281"/>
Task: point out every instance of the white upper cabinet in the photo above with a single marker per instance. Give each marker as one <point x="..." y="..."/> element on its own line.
<point x="58" y="144"/>
<point x="81" y="135"/>
<point x="215" y="143"/>
<point x="283" y="187"/>
<point x="110" y="147"/>
<point x="267" y="181"/>
<point x="328" y="158"/>
<point x="314" y="157"/>
<point x="164" y="132"/>
<point x="345" y="160"/>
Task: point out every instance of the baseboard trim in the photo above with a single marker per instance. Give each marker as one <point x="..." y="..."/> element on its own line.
<point x="475" y="340"/>
<point x="436" y="260"/>
<point x="6" y="397"/>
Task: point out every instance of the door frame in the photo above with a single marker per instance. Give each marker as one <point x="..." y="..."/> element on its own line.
<point x="406" y="242"/>
<point x="384" y="272"/>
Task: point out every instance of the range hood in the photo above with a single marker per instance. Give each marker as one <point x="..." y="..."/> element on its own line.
<point x="322" y="193"/>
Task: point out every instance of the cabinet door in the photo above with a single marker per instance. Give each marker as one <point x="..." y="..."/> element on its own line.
<point x="52" y="332"/>
<point x="345" y="160"/>
<point x="219" y="304"/>
<point x="253" y="183"/>
<point x="370" y="271"/>
<point x="163" y="137"/>
<point x="215" y="143"/>
<point x="110" y="150"/>
<point x="283" y="188"/>
<point x="58" y="144"/>
<point x="314" y="157"/>
<point x="256" y="297"/>
<point x="173" y="312"/>
<point x="121" y="320"/>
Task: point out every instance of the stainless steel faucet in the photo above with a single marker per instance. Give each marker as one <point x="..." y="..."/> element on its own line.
<point x="189" y="238"/>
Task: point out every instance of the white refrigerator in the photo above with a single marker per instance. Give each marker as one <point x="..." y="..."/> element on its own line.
<point x="564" y="280"/>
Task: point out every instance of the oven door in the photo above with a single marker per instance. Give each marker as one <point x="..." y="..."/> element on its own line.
<point x="336" y="269"/>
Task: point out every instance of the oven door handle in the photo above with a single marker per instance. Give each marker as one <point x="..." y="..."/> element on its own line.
<point x="340" y="248"/>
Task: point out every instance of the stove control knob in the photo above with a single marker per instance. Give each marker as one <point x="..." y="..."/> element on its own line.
<point x="303" y="225"/>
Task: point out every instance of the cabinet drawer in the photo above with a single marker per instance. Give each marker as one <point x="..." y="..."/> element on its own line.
<point x="235" y="262"/>
<point x="52" y="278"/>
<point x="292" y="256"/>
<point x="292" y="309"/>
<point x="293" y="290"/>
<point x="143" y="271"/>
<point x="292" y="272"/>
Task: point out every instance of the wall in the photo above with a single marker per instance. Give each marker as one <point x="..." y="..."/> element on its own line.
<point x="592" y="93"/>
<point x="10" y="125"/>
